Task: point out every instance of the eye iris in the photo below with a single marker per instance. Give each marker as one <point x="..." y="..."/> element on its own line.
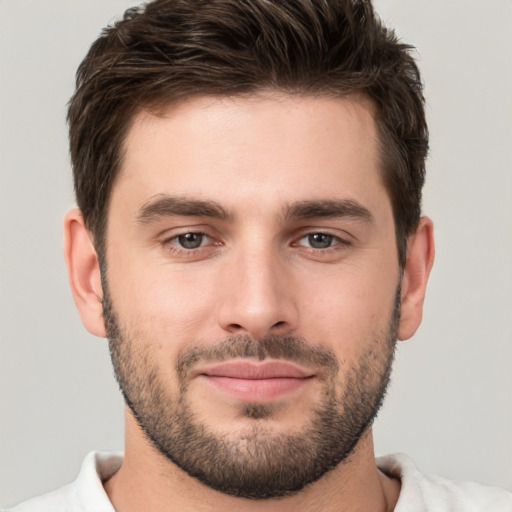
<point x="320" y="240"/>
<point x="190" y="240"/>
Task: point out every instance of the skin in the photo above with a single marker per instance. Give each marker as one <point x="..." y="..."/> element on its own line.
<point x="255" y="273"/>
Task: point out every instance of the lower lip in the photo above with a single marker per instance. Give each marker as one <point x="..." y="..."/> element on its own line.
<point x="257" y="390"/>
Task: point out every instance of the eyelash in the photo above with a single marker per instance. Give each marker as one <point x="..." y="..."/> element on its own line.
<point x="171" y="243"/>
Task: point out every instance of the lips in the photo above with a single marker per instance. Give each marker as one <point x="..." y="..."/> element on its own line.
<point x="255" y="381"/>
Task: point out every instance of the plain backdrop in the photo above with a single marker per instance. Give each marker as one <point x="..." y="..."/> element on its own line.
<point x="450" y="403"/>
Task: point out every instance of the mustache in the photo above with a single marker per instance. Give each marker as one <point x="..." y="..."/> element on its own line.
<point x="284" y="347"/>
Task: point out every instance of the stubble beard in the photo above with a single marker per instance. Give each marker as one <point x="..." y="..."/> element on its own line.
<point x="257" y="463"/>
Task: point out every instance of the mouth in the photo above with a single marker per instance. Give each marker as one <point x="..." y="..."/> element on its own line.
<point x="255" y="381"/>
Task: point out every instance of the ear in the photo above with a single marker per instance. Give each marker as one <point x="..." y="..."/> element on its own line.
<point x="83" y="273"/>
<point x="420" y="258"/>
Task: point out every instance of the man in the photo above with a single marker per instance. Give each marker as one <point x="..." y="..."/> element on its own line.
<point x="248" y="176"/>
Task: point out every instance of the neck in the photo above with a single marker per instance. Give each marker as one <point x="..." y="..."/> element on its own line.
<point x="149" y="482"/>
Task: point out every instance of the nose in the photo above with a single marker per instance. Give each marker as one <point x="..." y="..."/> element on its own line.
<point x="259" y="297"/>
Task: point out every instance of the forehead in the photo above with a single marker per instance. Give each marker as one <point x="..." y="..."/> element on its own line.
<point x="274" y="147"/>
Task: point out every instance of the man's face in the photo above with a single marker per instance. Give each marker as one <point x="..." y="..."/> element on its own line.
<point x="252" y="286"/>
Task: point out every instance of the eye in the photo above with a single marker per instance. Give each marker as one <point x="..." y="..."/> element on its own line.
<point x="189" y="245"/>
<point x="191" y="240"/>
<point x="318" y="240"/>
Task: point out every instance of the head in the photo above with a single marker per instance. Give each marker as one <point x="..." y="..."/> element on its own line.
<point x="171" y="50"/>
<point x="249" y="179"/>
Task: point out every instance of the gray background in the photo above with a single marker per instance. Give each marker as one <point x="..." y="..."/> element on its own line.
<point x="450" y="405"/>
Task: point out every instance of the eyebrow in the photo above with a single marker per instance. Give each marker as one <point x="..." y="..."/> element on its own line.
<point x="329" y="209"/>
<point x="171" y="206"/>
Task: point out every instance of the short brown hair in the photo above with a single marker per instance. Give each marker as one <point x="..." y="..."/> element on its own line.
<point x="168" y="50"/>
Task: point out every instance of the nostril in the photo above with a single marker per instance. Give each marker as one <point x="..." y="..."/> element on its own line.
<point x="279" y="324"/>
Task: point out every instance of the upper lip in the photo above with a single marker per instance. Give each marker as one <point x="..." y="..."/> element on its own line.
<point x="254" y="370"/>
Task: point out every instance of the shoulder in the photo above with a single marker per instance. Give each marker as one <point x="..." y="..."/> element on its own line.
<point x="424" y="493"/>
<point x="84" y="494"/>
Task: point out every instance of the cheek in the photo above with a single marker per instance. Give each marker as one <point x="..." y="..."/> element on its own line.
<point x="175" y="306"/>
<point x="354" y="309"/>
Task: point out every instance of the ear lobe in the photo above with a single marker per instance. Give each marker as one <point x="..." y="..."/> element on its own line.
<point x="420" y="258"/>
<point x="83" y="273"/>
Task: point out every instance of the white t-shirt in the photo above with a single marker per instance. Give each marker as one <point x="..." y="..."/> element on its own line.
<point x="419" y="493"/>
